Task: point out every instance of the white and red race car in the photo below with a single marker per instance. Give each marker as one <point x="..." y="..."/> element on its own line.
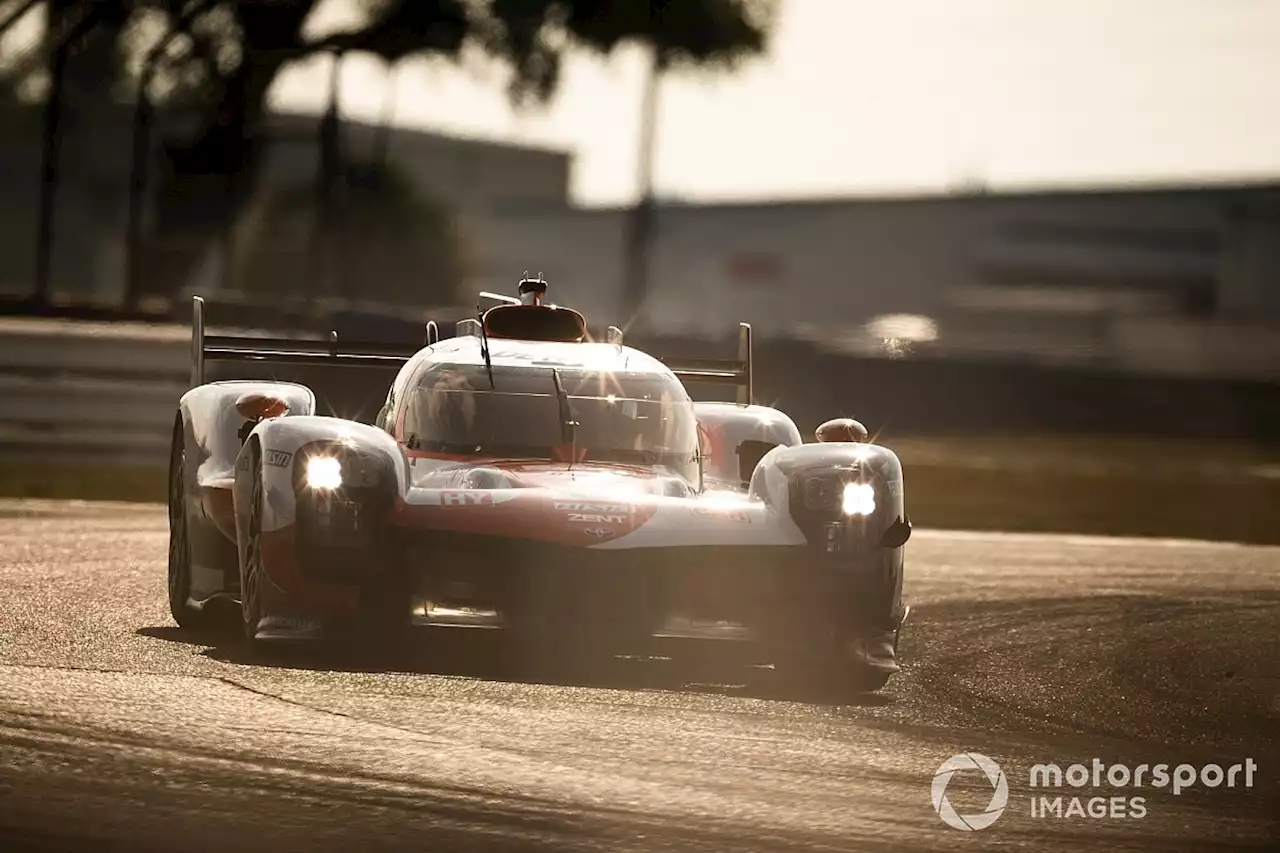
<point x="522" y="476"/>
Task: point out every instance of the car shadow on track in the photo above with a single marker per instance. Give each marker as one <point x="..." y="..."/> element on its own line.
<point x="482" y="658"/>
<point x="174" y="634"/>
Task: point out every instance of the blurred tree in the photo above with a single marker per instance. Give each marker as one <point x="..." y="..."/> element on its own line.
<point x="221" y="69"/>
<point x="383" y="241"/>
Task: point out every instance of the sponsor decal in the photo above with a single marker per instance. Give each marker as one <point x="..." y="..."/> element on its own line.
<point x="895" y="487"/>
<point x="593" y="513"/>
<point x="608" y="509"/>
<point x="278" y="458"/>
<point x="737" y="514"/>
<point x="459" y="497"/>
<point x="596" y="518"/>
<point x="287" y="623"/>
<point x="538" y="358"/>
<point x="598" y="532"/>
<point x="466" y="497"/>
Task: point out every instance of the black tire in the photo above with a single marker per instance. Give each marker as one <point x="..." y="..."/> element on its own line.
<point x="251" y="563"/>
<point x="179" y="575"/>
<point x="866" y="680"/>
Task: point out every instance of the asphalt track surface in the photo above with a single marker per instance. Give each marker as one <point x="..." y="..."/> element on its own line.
<point x="118" y="732"/>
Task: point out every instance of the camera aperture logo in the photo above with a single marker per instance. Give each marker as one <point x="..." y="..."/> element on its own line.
<point x="999" y="791"/>
<point x="1120" y="778"/>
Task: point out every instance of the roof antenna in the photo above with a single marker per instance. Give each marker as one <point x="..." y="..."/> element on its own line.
<point x="532" y="290"/>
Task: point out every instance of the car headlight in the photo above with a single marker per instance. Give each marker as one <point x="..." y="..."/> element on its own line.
<point x="858" y="499"/>
<point x="324" y="472"/>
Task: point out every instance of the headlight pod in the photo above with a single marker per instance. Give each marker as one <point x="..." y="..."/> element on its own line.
<point x="332" y="466"/>
<point x="324" y="473"/>
<point x="837" y="493"/>
<point x="838" y="508"/>
<point x="858" y="499"/>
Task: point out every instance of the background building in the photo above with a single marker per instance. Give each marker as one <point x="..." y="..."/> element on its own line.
<point x="1180" y="280"/>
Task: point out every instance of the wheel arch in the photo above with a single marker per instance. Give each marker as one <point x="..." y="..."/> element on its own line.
<point x="212" y="425"/>
<point x="248" y="466"/>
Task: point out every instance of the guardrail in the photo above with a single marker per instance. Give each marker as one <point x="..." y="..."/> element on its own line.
<point x="351" y="318"/>
<point x="73" y="388"/>
<point x="105" y="393"/>
<point x="76" y="391"/>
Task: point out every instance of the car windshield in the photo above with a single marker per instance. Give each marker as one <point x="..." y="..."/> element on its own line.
<point x="643" y="420"/>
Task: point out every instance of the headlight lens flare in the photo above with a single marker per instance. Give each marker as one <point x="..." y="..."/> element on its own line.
<point x="324" y="472"/>
<point x="859" y="499"/>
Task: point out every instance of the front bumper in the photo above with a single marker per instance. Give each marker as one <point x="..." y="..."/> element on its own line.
<point x="781" y="596"/>
<point x="844" y="604"/>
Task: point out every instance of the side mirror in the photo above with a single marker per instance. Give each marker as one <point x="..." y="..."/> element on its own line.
<point x="842" y="429"/>
<point x="255" y="407"/>
<point x="897" y="534"/>
<point x="750" y="452"/>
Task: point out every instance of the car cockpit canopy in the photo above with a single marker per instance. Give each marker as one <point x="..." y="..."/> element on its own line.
<point x="564" y="413"/>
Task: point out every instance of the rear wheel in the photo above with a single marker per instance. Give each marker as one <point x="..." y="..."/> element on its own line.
<point x="251" y="566"/>
<point x="180" y="540"/>
<point x="830" y="681"/>
<point x="863" y="679"/>
<point x="826" y="672"/>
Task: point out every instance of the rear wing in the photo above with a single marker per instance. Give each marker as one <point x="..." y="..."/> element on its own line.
<point x="209" y="348"/>
<point x="206" y="348"/>
<point x="722" y="371"/>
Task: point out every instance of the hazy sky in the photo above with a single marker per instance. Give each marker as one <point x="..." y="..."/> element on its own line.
<point x="864" y="96"/>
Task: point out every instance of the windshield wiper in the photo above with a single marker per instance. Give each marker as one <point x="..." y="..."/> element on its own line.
<point x="484" y="348"/>
<point x="568" y="426"/>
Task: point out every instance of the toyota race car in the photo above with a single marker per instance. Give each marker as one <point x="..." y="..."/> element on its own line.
<point x="525" y="477"/>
